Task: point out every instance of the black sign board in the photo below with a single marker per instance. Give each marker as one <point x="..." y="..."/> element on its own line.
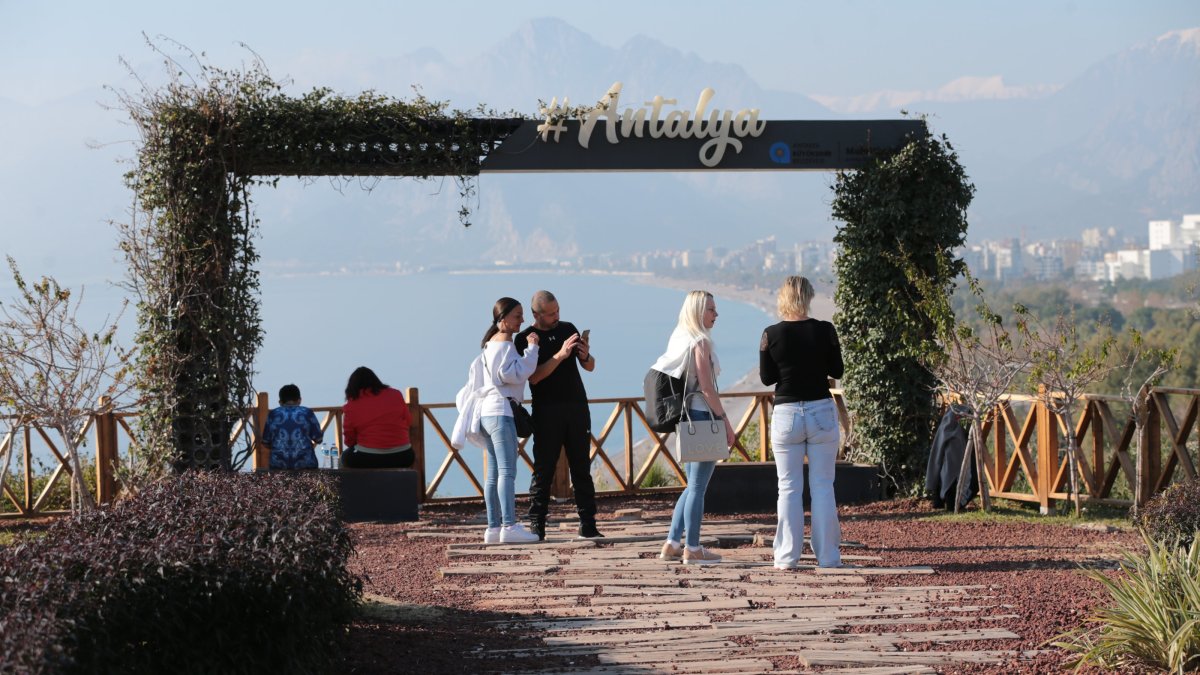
<point x="783" y="145"/>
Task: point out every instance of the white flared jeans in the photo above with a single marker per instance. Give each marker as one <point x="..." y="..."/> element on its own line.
<point x="803" y="430"/>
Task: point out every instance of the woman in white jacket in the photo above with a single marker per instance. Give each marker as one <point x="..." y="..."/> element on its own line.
<point x="507" y="370"/>
<point x="690" y="351"/>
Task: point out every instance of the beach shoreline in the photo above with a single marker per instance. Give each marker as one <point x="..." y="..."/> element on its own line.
<point x="759" y="297"/>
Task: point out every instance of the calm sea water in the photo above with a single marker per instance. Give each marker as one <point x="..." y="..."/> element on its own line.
<point x="423" y="330"/>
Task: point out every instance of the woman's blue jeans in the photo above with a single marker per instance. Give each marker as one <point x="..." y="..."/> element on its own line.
<point x="689" y="510"/>
<point x="499" y="489"/>
<point x="806" y="431"/>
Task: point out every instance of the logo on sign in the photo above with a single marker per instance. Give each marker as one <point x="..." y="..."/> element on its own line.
<point x="722" y="128"/>
<point x="781" y="153"/>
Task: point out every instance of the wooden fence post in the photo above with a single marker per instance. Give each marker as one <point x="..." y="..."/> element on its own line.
<point x="106" y="453"/>
<point x="1151" y="458"/>
<point x="1047" y="459"/>
<point x="416" y="436"/>
<point x="628" y="406"/>
<point x="561" y="487"/>
<point x="262" y="454"/>
<point x="28" y="457"/>
<point x="764" y="428"/>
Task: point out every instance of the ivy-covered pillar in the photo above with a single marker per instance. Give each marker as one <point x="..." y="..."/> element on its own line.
<point x="193" y="264"/>
<point x="204" y="293"/>
<point x="910" y="205"/>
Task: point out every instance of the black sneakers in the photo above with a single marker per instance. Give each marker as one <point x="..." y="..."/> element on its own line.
<point x="587" y="530"/>
<point x="538" y="527"/>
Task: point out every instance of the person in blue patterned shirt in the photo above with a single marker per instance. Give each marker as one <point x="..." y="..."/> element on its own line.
<point x="291" y="432"/>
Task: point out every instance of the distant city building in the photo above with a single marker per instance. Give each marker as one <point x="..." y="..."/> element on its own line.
<point x="1091" y="270"/>
<point x="1164" y="263"/>
<point x="1173" y="247"/>
<point x="1004" y="261"/>
<point x="1048" y="267"/>
<point x="815" y="257"/>
<point x="1098" y="239"/>
<point x="1163" y="234"/>
<point x="1126" y="264"/>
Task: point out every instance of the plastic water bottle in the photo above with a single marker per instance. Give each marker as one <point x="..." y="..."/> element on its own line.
<point x="335" y="457"/>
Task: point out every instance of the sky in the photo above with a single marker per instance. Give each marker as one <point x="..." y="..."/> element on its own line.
<point x="54" y="56"/>
<point x="847" y="47"/>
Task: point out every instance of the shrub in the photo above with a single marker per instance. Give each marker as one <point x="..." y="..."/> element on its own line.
<point x="911" y="204"/>
<point x="210" y="572"/>
<point x="59" y="498"/>
<point x="1155" y="616"/>
<point x="1173" y="516"/>
<point x="659" y="476"/>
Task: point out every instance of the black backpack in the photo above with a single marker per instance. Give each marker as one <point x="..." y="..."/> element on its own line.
<point x="664" y="400"/>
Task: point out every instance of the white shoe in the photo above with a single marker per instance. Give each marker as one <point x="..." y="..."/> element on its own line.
<point x="517" y="534"/>
<point x="700" y="557"/>
<point x="491" y="535"/>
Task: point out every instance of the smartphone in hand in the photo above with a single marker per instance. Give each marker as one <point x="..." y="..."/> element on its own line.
<point x="584" y="336"/>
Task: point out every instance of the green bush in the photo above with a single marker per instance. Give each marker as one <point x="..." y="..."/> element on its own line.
<point x="659" y="476"/>
<point x="912" y="206"/>
<point x="1154" y="620"/>
<point x="1173" y="516"/>
<point x="59" y="498"/>
<point x="207" y="573"/>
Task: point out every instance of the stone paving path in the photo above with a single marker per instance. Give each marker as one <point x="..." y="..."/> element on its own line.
<point x="613" y="598"/>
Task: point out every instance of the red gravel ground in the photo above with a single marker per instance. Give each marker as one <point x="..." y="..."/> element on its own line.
<point x="1033" y="567"/>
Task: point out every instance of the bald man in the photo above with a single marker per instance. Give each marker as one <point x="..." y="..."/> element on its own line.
<point x="561" y="418"/>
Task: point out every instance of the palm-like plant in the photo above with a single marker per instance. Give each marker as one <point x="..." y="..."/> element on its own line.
<point x="1154" y="618"/>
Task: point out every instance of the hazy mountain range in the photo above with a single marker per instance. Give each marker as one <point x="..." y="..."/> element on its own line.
<point x="1117" y="146"/>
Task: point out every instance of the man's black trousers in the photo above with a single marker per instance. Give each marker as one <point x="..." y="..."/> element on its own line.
<point x="555" y="427"/>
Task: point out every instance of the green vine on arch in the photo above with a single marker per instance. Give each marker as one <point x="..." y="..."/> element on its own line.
<point x="914" y="203"/>
<point x="206" y="139"/>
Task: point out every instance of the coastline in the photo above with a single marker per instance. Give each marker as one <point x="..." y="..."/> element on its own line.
<point x="760" y="297"/>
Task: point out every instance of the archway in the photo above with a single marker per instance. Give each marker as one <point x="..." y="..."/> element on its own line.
<point x="206" y="144"/>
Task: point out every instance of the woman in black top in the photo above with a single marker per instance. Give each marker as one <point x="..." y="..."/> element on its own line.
<point x="797" y="355"/>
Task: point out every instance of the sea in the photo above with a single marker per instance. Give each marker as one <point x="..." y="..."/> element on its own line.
<point x="423" y="330"/>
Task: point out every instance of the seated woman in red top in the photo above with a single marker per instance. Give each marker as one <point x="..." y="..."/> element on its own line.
<point x="375" y="423"/>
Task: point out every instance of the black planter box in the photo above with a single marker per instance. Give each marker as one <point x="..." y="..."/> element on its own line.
<point x="387" y="495"/>
<point x="753" y="487"/>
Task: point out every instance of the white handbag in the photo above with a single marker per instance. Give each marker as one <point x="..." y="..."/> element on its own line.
<point x="699" y="440"/>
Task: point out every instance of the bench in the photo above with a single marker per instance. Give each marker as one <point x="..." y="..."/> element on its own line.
<point x="386" y="495"/>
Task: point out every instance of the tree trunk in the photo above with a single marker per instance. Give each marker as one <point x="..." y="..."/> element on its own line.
<point x="79" y="486"/>
<point x="1072" y="458"/>
<point x="964" y="471"/>
<point x="985" y="499"/>
<point x="1141" y="413"/>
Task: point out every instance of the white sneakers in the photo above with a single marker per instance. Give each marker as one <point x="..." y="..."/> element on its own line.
<point x="701" y="557"/>
<point x="670" y="551"/>
<point x="517" y="534"/>
<point x="512" y="534"/>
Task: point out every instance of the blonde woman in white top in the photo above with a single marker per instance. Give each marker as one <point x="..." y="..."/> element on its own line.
<point x="690" y="350"/>
<point x="507" y="370"/>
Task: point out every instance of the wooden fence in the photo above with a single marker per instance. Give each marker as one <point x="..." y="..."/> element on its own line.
<point x="1025" y="449"/>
